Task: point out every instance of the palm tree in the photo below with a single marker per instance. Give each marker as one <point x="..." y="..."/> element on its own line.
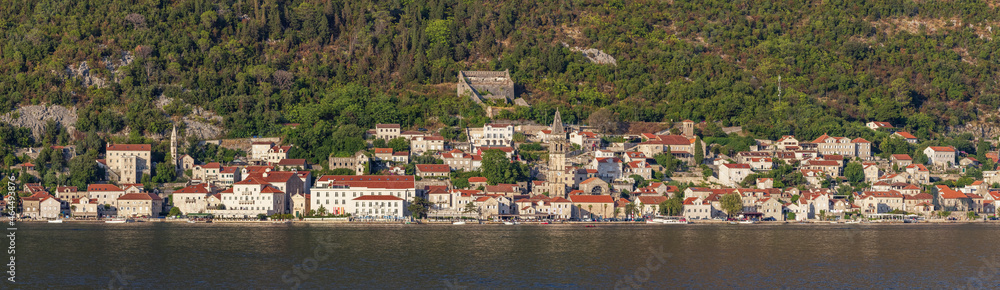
<point x="630" y="209"/>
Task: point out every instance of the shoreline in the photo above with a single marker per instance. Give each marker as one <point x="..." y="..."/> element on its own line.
<point x="769" y="223"/>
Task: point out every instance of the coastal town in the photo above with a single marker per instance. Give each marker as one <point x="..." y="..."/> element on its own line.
<point x="529" y="172"/>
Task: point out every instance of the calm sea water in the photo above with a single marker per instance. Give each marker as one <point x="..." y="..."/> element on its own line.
<point x="267" y="256"/>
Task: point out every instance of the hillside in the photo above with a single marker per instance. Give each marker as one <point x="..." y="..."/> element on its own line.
<point x="924" y="65"/>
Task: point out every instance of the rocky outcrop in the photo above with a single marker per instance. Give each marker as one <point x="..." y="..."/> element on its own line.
<point x="82" y="71"/>
<point x="978" y="130"/>
<point x="34" y="117"/>
<point x="594" y="55"/>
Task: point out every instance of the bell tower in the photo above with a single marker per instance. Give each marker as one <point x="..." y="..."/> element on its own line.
<point x="557" y="158"/>
<point x="173" y="149"/>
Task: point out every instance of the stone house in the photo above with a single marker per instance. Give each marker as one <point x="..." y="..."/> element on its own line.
<point x="940" y="156"/>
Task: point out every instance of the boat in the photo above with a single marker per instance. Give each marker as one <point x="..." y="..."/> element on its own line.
<point x="458" y="223"/>
<point x="511" y="223"/>
<point x="191" y="221"/>
<point x="55" y="221"/>
<point x="668" y="220"/>
<point x="118" y="221"/>
<point x="747" y="222"/>
<point x="733" y="223"/>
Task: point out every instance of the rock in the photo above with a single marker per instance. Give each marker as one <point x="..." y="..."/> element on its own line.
<point x="594" y="55"/>
<point x="34" y="117"/>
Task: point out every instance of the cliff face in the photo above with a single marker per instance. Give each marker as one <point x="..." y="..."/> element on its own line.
<point x="35" y="116"/>
<point x="982" y="130"/>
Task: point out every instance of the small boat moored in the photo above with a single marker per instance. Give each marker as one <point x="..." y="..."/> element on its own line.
<point x="458" y="223"/>
<point x="55" y="221"/>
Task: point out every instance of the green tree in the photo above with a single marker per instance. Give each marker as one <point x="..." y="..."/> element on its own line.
<point x="731" y="203"/>
<point x="672" y="206"/>
<point x="470" y="208"/>
<point x="854" y="173"/>
<point x="497" y="168"/>
<point x="399" y="144"/>
<point x="419" y="207"/>
<point x="790" y="216"/>
<point x="699" y="152"/>
<point x="175" y="211"/>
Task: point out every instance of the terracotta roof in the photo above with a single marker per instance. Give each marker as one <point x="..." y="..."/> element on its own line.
<point x="922" y="195"/>
<point x="919" y="167"/>
<point x="371" y="181"/>
<point x="213" y="165"/>
<point x="502" y="188"/>
<point x="947" y="193"/>
<point x="942" y="148"/>
<point x="292" y="162"/>
<point x="253" y="180"/>
<point x="592" y="199"/>
<point x="652" y="199"/>
<point x="387" y="126"/>
<point x="196" y="188"/>
<point x="139" y="196"/>
<point x="433" y="168"/>
<point x="906" y="135"/>
<point x="883" y="194"/>
<point x="859" y="140"/>
<point x="401" y="153"/>
<point x="902" y="157"/>
<point x="590" y="180"/>
<point x="737" y="165"/>
<point x="383" y="150"/>
<point x="824" y="163"/>
<point x="377" y="197"/>
<point x="477" y="179"/>
<point x="103" y="187"/>
<point x="270" y="189"/>
<point x="129" y="147"/>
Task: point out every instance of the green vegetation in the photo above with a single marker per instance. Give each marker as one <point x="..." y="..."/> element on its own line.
<point x="497" y="168"/>
<point x="261" y="64"/>
<point x="731" y="203"/>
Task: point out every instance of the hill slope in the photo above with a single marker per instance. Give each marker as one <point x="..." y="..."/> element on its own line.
<point x="919" y="64"/>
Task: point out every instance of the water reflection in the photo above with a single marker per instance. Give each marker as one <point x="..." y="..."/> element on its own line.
<point x="493" y="256"/>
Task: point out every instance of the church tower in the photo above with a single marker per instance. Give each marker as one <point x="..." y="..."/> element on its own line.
<point x="173" y="149"/>
<point x="557" y="159"/>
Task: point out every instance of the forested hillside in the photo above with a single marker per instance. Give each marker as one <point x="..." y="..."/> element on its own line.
<point x="919" y="64"/>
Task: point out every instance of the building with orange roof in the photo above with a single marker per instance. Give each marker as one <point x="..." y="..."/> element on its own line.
<point x="193" y="198"/>
<point x="128" y="162"/>
<point x="104" y="193"/>
<point x="140" y="204"/>
<point x="941" y="156"/>
<point x="857" y="147"/>
<point x="593" y="206"/>
<point x="906" y="136"/>
<point x="953" y="200"/>
<point x="681" y="147"/>
<point x="919" y="173"/>
<point x="874" y="125"/>
<point x="334" y="193"/>
<point x="731" y="174"/>
<point x="433" y="170"/>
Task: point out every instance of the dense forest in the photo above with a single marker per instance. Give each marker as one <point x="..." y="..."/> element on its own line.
<point x="922" y="65"/>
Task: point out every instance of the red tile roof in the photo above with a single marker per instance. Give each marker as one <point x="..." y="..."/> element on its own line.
<point x="902" y="157"/>
<point x="433" y="168"/>
<point x="477" y="179"/>
<point x="139" y="196"/>
<point x="196" y="188"/>
<point x="383" y="150"/>
<point x="737" y="165"/>
<point x="906" y="135"/>
<point x="292" y="162"/>
<point x="103" y="187"/>
<point x="652" y="199"/>
<point x="942" y="148"/>
<point x="129" y="147"/>
<point x="371" y="181"/>
<point x="592" y="199"/>
<point x="387" y="126"/>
